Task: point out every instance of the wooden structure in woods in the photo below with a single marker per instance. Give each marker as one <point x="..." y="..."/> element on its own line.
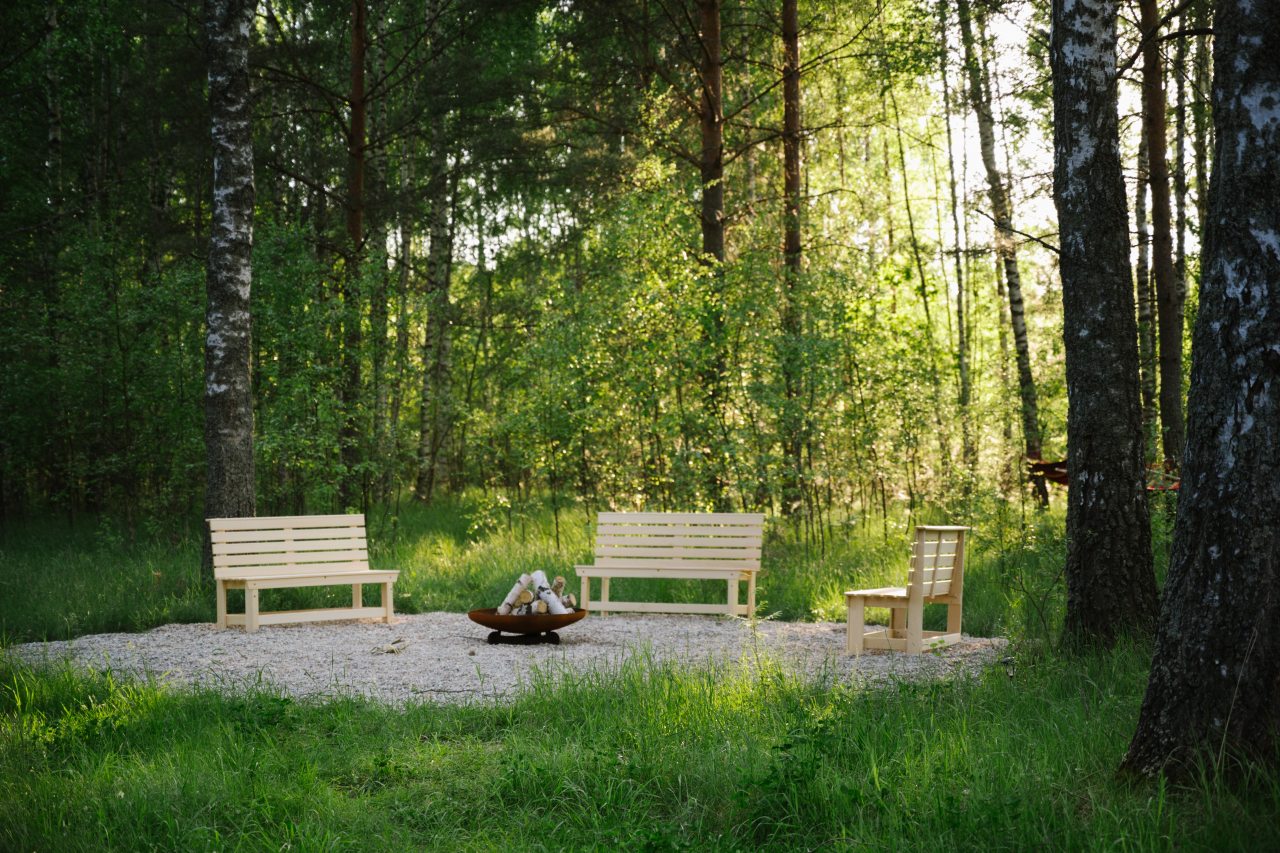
<point x="936" y="576"/>
<point x="667" y="545"/>
<point x="293" y="551"/>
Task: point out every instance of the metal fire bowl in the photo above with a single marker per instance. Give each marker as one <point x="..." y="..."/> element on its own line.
<point x="536" y="624"/>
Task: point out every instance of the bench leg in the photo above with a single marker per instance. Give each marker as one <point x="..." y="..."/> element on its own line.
<point x="585" y="602"/>
<point x="855" y="624"/>
<point x="222" y="604"/>
<point x="388" y="604"/>
<point x="733" y="596"/>
<point x="357" y="595"/>
<point x="915" y="626"/>
<point x="604" y="595"/>
<point x="751" y="594"/>
<point x="250" y="609"/>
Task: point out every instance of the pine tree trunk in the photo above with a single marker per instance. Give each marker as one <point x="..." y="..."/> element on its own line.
<point x="711" y="120"/>
<point x="1006" y="247"/>
<point x="349" y="390"/>
<point x="792" y="426"/>
<point x="1110" y="583"/>
<point x="1168" y="295"/>
<point x="1215" y="678"/>
<point x="437" y="363"/>
<point x="228" y="392"/>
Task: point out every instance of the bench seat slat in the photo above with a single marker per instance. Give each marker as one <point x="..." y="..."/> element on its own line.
<point x="314" y="570"/>
<point x="309" y="579"/>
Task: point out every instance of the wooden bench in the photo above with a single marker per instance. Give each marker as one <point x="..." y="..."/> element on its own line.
<point x="687" y="546"/>
<point x="936" y="576"/>
<point x="291" y="551"/>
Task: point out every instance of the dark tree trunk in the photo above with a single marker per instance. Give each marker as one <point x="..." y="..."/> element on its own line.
<point x="793" y="417"/>
<point x="711" y="119"/>
<point x="1006" y="247"/>
<point x="228" y="398"/>
<point x="437" y="362"/>
<point x="1169" y="297"/>
<point x="1111" y="587"/>
<point x="1215" y="677"/>
<point x="349" y="437"/>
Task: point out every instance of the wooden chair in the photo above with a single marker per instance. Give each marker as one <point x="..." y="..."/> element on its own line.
<point x="291" y="551"/>
<point x="696" y="545"/>
<point x="936" y="576"/>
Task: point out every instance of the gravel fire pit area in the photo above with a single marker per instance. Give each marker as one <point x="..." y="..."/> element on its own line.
<point x="444" y="657"/>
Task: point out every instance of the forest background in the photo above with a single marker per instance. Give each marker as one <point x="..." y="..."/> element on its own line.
<point x="527" y="303"/>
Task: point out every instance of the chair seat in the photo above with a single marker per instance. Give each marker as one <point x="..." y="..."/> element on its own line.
<point x="881" y="592"/>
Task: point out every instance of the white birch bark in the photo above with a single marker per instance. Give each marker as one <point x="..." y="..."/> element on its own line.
<point x="228" y="401"/>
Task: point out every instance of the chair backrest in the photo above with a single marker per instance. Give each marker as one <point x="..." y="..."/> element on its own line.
<point x="937" y="561"/>
<point x="295" y="544"/>
<point x="695" y="540"/>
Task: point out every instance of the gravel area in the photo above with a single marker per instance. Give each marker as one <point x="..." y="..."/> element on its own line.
<point x="444" y="657"/>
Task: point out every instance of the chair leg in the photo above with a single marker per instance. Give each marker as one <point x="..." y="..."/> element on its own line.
<point x="388" y="603"/>
<point x="855" y="624"/>
<point x="222" y="604"/>
<point x="897" y="621"/>
<point x="915" y="626"/>
<point x="250" y="609"/>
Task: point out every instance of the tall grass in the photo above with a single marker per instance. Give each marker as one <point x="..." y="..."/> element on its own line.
<point x="60" y="582"/>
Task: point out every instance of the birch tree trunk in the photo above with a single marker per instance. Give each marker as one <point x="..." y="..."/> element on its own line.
<point x="228" y="398"/>
<point x="1110" y="583"/>
<point x="1006" y="248"/>
<point x="1215" y="678"/>
<point x="1169" y="298"/>
<point x="1146" y="311"/>
<point x="964" y="397"/>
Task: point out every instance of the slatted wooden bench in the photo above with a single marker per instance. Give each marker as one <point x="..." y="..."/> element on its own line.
<point x="687" y="546"/>
<point x="293" y="551"/>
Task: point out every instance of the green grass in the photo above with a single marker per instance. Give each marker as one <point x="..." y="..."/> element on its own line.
<point x="645" y="757"/>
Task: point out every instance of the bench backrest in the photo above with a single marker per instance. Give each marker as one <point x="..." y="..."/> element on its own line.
<point x="937" y="561"/>
<point x="295" y="544"/>
<point x="704" y="540"/>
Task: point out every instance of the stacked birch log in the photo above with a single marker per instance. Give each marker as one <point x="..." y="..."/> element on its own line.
<point x="532" y="595"/>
